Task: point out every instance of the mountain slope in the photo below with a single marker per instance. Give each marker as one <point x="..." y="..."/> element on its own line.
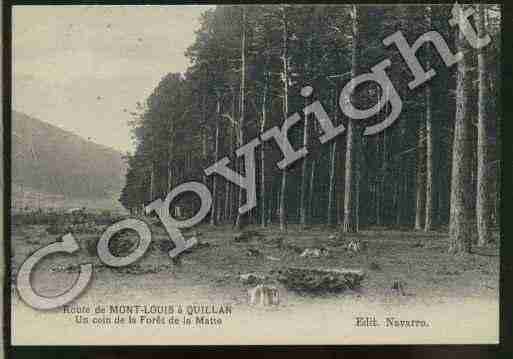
<point x="53" y="161"/>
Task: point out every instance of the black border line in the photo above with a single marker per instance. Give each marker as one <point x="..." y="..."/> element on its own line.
<point x="503" y="350"/>
<point x="506" y="110"/>
<point x="6" y="118"/>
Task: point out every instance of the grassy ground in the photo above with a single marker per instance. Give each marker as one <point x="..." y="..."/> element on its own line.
<point x="419" y="260"/>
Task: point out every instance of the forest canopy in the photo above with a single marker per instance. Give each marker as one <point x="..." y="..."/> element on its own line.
<point x="437" y="165"/>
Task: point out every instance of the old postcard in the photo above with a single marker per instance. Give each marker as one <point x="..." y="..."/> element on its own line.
<point x="255" y="174"/>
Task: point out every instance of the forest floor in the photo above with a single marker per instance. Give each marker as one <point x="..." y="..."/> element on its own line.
<point x="419" y="260"/>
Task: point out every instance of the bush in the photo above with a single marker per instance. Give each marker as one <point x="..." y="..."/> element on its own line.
<point x="56" y="228"/>
<point x="123" y="242"/>
<point x="34" y="218"/>
<point x="90" y="246"/>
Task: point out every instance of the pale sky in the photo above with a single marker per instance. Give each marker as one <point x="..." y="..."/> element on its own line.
<point x="79" y="67"/>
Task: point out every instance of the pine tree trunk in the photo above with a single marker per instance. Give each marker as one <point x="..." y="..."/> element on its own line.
<point x="339" y="179"/>
<point x="380" y="173"/>
<point x="378" y="188"/>
<point x="152" y="167"/>
<point x="270" y="204"/>
<point x="229" y="187"/>
<point x="283" y="189"/>
<point x="310" y="207"/>
<point x="263" y="195"/>
<point x="204" y="133"/>
<point x="170" y="176"/>
<point x="484" y="204"/>
<point x="331" y="191"/>
<point x="381" y="188"/>
<point x="395" y="203"/>
<point x="352" y="177"/>
<point x="238" y="222"/>
<point x="430" y="193"/>
<point x="214" y="210"/>
<point x="332" y="216"/>
<point x="461" y="186"/>
<point x="403" y="197"/>
<point x="152" y="181"/>
<point x="352" y="145"/>
<point x="304" y="166"/>
<point x="285" y="78"/>
<point x="420" y="182"/>
<point x="170" y="179"/>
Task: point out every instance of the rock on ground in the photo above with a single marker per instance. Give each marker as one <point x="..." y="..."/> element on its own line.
<point x="320" y="280"/>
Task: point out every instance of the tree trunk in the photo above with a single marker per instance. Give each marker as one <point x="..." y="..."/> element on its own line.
<point x="304" y="166"/>
<point x="484" y="204"/>
<point x="380" y="173"/>
<point x="352" y="145"/>
<point x="263" y="196"/>
<point x="310" y="207"/>
<point x="204" y="133"/>
<point x="238" y="222"/>
<point x="285" y="78"/>
<point x="352" y="177"/>
<point x="381" y="188"/>
<point x="152" y="167"/>
<point x="461" y="186"/>
<point x="339" y="179"/>
<point x="430" y="193"/>
<point x="229" y="187"/>
<point x="215" y="205"/>
<point x="331" y="191"/>
<point x="397" y="189"/>
<point x="403" y="197"/>
<point x="333" y="168"/>
<point x="170" y="152"/>
<point x="421" y="181"/>
<point x="378" y="187"/>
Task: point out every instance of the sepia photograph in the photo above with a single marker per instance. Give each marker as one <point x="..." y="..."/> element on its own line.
<point x="255" y="174"/>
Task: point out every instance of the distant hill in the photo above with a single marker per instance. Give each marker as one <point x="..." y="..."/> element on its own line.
<point x="51" y="163"/>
